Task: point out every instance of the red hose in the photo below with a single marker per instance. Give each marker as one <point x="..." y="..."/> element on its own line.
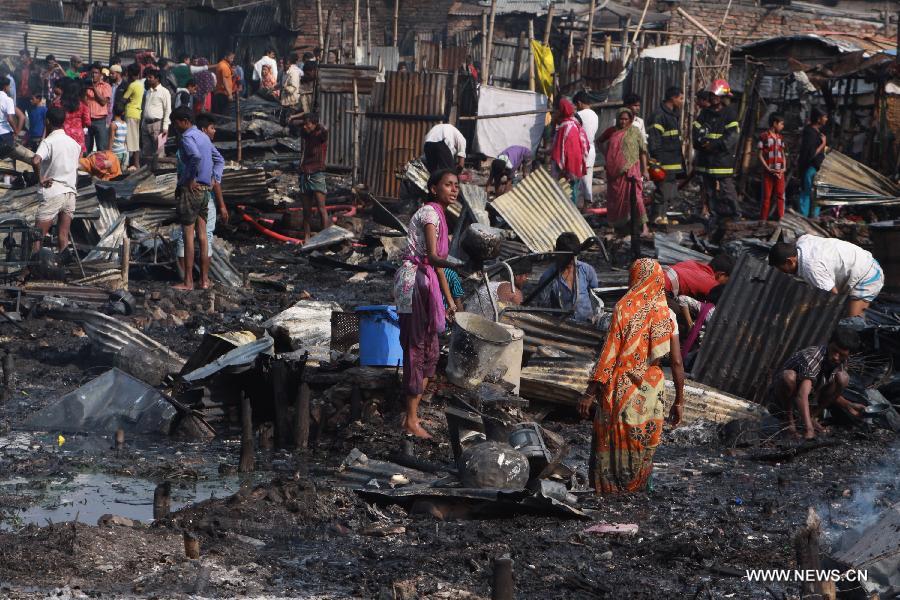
<point x="596" y="211"/>
<point x="266" y="230"/>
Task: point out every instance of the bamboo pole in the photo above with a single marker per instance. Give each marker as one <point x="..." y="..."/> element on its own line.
<point x="396" y="31"/>
<point x="520" y="49"/>
<point x="490" y="42"/>
<point x="700" y="26"/>
<point x="319" y="21"/>
<point x="484" y="46"/>
<point x="248" y="457"/>
<point x="607" y="48"/>
<point x="548" y="25"/>
<point x="327" y="48"/>
<point x="368" y="31"/>
<point x="634" y="38"/>
<point x="355" y="28"/>
<point x="530" y="54"/>
<point x="588" y="39"/>
<point x="237" y="121"/>
<point x="624" y="30"/>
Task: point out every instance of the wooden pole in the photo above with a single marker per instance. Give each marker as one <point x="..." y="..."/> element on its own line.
<point x="530" y="53"/>
<point x="396" y="31"/>
<point x="126" y="260"/>
<point x="625" y="37"/>
<point x="355" y="174"/>
<point x="248" y="460"/>
<point x="321" y="24"/>
<point x="327" y="47"/>
<point x="490" y="42"/>
<point x="340" y="53"/>
<point x="368" y="32"/>
<point x="355" y="28"/>
<point x="637" y="30"/>
<point x="588" y="39"/>
<point x="120" y="438"/>
<point x="607" y="48"/>
<point x="191" y="546"/>
<point x="700" y="26"/>
<point x="454" y="98"/>
<point x="484" y="47"/>
<point x="570" y="48"/>
<point x="502" y="586"/>
<point x="278" y="375"/>
<point x="301" y="429"/>
<point x="162" y="500"/>
<point x="548" y="25"/>
<point x="237" y="123"/>
<point x="520" y="49"/>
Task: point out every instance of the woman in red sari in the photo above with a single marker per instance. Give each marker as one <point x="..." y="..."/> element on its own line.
<point x="629" y="387"/>
<point x="570" y="148"/>
<point x="626" y="167"/>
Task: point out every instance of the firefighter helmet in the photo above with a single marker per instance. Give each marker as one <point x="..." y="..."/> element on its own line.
<point x="656" y="172"/>
<point x="720" y="87"/>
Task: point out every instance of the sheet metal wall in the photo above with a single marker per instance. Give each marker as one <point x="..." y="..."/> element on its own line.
<point x="400" y="113"/>
<point x="62" y="42"/>
<point x="428" y="53"/>
<point x="764" y="317"/>
<point x="503" y="62"/>
<point x="333" y="107"/>
<point x="649" y="79"/>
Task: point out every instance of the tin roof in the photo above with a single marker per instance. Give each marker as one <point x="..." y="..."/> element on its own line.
<point x="62" y="42"/>
<point x="765" y="317"/>
<point x="538" y="210"/>
<point x="841" y="41"/>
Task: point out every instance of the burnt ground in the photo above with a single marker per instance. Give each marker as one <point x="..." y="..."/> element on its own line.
<point x="293" y="531"/>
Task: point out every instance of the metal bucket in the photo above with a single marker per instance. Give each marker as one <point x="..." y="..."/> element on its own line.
<point x="475" y="346"/>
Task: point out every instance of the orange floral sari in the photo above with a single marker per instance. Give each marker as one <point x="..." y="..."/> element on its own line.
<point x="629" y="419"/>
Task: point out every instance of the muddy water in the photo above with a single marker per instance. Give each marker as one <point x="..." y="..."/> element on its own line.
<point x="88" y="496"/>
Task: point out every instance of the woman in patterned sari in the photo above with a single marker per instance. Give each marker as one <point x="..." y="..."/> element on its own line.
<point x="629" y="387"/>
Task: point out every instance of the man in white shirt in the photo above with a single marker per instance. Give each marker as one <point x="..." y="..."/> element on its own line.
<point x="590" y="122"/>
<point x="10" y="123"/>
<point x="832" y="265"/>
<point x="155" y="118"/>
<point x="633" y="101"/>
<point x="267" y="59"/>
<point x="56" y="167"/>
<point x="444" y="144"/>
<point x="290" y="87"/>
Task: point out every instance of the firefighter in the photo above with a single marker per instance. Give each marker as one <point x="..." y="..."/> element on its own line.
<point x="665" y="149"/>
<point x="715" y="134"/>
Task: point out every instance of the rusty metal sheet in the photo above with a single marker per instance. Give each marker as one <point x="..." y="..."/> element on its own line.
<point x="339" y="78"/>
<point x="335" y="111"/>
<point x="50" y="39"/>
<point x="400" y="112"/>
<point x="764" y="316"/>
<point x="575" y="339"/>
<point x="538" y="210"/>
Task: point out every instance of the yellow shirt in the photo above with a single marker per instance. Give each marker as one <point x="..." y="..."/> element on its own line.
<point x="135" y="96"/>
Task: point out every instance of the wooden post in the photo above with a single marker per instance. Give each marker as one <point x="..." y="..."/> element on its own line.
<point x="248" y="459"/>
<point x="454" y="99"/>
<point x="368" y="32"/>
<point x="589" y="38"/>
<point x="327" y="47"/>
<point x="637" y="31"/>
<point x="191" y="546"/>
<point x="517" y="62"/>
<point x="548" y="25"/>
<point x="319" y="21"/>
<point x="162" y="500"/>
<point x="484" y="47"/>
<point x="120" y="438"/>
<point x="301" y="423"/>
<point x="625" y="37"/>
<point x="808" y="553"/>
<point x="237" y="123"/>
<point x="701" y="27"/>
<point x="490" y="42"/>
<point x="502" y="587"/>
<point x="279" y="378"/>
<point x="396" y="31"/>
<point x="340" y="52"/>
<point x="126" y="259"/>
<point x="570" y="49"/>
<point x="355" y="28"/>
<point x="355" y="174"/>
<point x="530" y="53"/>
<point x="607" y="48"/>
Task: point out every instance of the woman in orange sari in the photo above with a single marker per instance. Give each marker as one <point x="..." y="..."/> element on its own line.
<point x="629" y="387"/>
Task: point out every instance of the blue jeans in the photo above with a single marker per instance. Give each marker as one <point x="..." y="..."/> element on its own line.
<point x="805" y="193"/>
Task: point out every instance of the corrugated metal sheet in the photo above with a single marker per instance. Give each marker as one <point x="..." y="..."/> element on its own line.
<point x="764" y="316"/>
<point x="333" y="111"/>
<point x="596" y="74"/>
<point x="388" y="56"/>
<point x="538" y="210"/>
<point x="435" y="56"/>
<point x="575" y="339"/>
<point x="62" y="42"/>
<point x="339" y="78"/>
<point x="401" y="111"/>
<point x="563" y="381"/>
<point x="649" y="79"/>
<point x="506" y="71"/>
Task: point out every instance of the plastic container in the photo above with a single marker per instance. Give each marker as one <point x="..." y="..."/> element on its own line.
<point x="379" y="336"/>
<point x="475" y="346"/>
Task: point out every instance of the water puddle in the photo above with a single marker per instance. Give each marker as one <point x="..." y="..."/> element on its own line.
<point x="88" y="496"/>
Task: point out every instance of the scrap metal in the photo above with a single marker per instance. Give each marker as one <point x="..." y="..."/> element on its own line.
<point x="766" y="316"/>
<point x="538" y="210"/>
<point x="844" y="181"/>
<point x="576" y="340"/>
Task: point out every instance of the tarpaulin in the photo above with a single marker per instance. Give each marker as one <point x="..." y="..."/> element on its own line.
<point x="543" y="67"/>
<point x="493" y="136"/>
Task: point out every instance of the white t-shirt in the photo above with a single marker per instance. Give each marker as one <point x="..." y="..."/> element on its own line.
<point x="591" y="123"/>
<point x="828" y="263"/>
<point x="451" y="136"/>
<point x="7" y="107"/>
<point x="59" y="162"/>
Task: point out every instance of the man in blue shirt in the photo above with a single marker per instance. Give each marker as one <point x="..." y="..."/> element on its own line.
<point x="571" y="282"/>
<point x="194" y="183"/>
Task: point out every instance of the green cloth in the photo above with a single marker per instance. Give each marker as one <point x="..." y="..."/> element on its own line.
<point x="72" y="74"/>
<point x="182" y="74"/>
<point x="632" y="146"/>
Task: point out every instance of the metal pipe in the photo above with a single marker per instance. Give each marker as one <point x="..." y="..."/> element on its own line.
<point x="487" y="286"/>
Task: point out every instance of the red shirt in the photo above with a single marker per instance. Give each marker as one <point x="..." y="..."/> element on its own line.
<point x="695" y="279"/>
<point x="76" y="122"/>
<point x="772" y="146"/>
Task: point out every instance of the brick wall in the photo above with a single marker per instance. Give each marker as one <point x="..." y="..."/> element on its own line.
<point x="761" y="22"/>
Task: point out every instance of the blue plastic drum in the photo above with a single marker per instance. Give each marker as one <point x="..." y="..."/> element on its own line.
<point x="379" y="336"/>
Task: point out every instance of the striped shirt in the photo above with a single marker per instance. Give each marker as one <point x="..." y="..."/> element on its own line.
<point x="455" y="285"/>
<point x="810" y="363"/>
<point x="118" y="145"/>
<point x="772" y="146"/>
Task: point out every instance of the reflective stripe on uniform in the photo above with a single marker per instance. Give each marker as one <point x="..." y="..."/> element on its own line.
<point x="697" y="124"/>
<point x="675" y="167"/>
<point x="714" y="136"/>
<point x="732" y="124"/>
<point x="671" y="133"/>
<point x="658" y="126"/>
<point x="725" y="171"/>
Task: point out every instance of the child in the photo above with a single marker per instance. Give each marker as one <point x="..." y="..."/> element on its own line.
<point x="118" y="134"/>
<point x="312" y="169"/>
<point x="185" y="96"/>
<point x="37" y="114"/>
<point x="774" y="162"/>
